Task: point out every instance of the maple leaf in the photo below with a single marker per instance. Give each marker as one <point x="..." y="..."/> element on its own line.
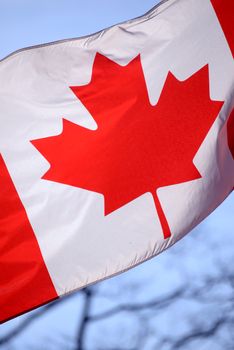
<point x="136" y="147"/>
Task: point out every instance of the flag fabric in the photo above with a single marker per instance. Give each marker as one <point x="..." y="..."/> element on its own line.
<point x="112" y="147"/>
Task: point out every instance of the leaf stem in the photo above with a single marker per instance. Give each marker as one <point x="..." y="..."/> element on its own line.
<point x="161" y="215"/>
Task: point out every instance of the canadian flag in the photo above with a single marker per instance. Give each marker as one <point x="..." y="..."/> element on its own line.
<point x="112" y="147"/>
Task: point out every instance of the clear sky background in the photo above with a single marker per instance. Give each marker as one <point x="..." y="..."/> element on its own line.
<point x="29" y="22"/>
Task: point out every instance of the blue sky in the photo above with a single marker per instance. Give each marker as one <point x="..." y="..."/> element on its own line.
<point x="30" y="22"/>
<point x="26" y="22"/>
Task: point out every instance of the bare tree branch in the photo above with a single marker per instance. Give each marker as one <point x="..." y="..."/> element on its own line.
<point x="158" y="303"/>
<point x="85" y="318"/>
<point x="30" y="319"/>
<point x="200" y="333"/>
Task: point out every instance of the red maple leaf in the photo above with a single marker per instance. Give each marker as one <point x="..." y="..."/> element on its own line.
<point x="137" y="147"/>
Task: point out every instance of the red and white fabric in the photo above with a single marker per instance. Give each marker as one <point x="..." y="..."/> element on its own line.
<point x="112" y="147"/>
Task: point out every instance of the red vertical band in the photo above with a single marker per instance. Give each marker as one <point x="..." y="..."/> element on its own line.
<point x="24" y="280"/>
<point x="225" y="12"/>
<point x="230" y="132"/>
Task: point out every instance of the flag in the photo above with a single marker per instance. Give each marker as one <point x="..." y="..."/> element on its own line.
<point x="112" y="147"/>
